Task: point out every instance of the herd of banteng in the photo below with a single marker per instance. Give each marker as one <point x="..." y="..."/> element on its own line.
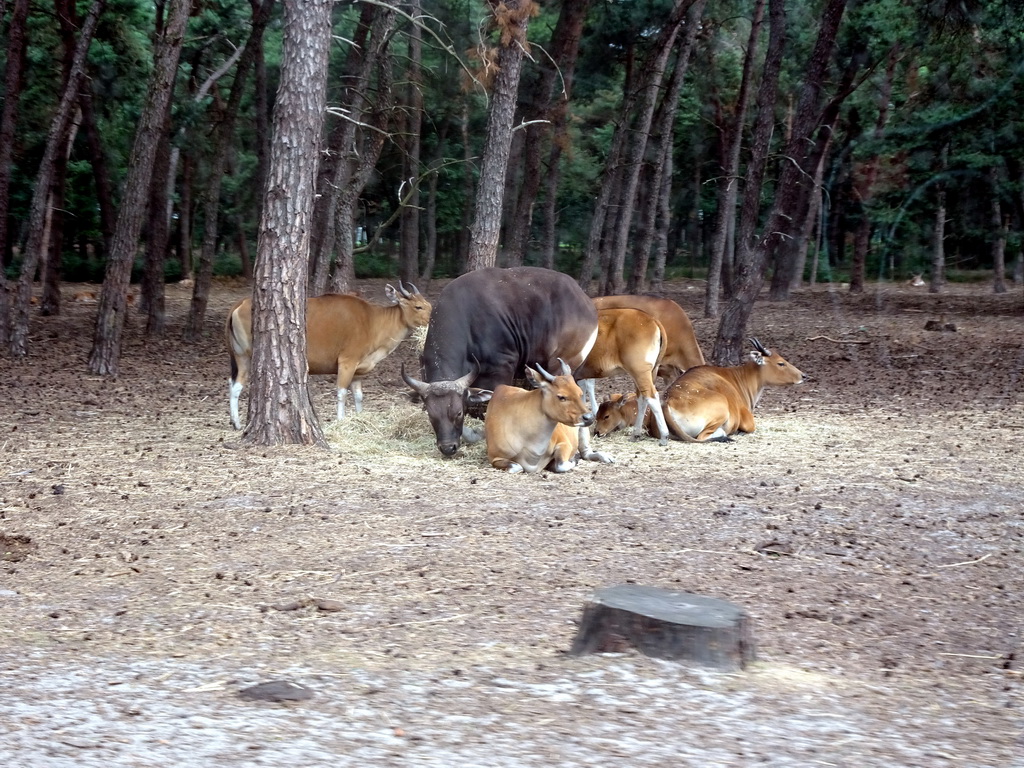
<point x="494" y="326"/>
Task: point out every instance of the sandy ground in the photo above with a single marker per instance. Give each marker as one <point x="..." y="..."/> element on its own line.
<point x="151" y="569"/>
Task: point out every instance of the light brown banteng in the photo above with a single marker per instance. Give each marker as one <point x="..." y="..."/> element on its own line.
<point x="620" y="411"/>
<point x="629" y="341"/>
<point x="681" y="349"/>
<point x="543" y="428"/>
<point x="711" y="402"/>
<point x="345" y="335"/>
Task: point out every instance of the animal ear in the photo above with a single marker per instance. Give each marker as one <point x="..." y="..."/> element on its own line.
<point x="616" y="398"/>
<point x="477" y="395"/>
<point x="533" y="377"/>
<point x="757" y="358"/>
<point x="391" y="293"/>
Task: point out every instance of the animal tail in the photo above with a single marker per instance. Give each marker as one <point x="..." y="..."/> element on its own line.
<point x="674" y="429"/>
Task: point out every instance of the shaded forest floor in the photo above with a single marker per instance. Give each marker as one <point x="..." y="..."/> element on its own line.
<point x="151" y="568"/>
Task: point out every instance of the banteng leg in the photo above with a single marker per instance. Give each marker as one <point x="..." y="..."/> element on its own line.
<point x="588" y="454"/>
<point x="507" y="465"/>
<point x="654" y="403"/>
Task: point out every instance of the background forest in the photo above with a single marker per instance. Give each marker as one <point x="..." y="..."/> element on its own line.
<point x="733" y="140"/>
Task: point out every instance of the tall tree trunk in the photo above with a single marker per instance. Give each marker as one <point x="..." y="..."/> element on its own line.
<point x="53" y="239"/>
<point x="409" y="240"/>
<point x="729" y="186"/>
<point x="664" y="220"/>
<point x="280" y="409"/>
<point x="358" y="149"/>
<point x="100" y="169"/>
<point x="372" y="145"/>
<point x="756" y="256"/>
<point x="659" y="144"/>
<point x="512" y="18"/>
<point x="336" y="165"/>
<point x="869" y="175"/>
<point x="430" y="214"/>
<point x="809" y="224"/>
<point x="13" y="84"/>
<point x="222" y="143"/>
<point x="938" y="276"/>
<point x="654" y="72"/>
<point x="153" y="297"/>
<point x="56" y="141"/>
<point x="564" y="50"/>
<point x="998" y="235"/>
<point x="104" y="359"/>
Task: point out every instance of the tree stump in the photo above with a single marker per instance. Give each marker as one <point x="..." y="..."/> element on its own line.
<point x="666" y="624"/>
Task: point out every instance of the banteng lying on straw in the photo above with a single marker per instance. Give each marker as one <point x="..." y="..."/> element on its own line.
<point x="711" y="402"/>
<point x="530" y="430"/>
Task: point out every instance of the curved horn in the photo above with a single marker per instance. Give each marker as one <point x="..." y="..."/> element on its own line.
<point x="544" y="373"/>
<point x="412" y="288"/>
<point x="760" y="347"/>
<point x="464" y="381"/>
<point x="566" y="370"/>
<point x="402" y="289"/>
<point x="420" y="387"/>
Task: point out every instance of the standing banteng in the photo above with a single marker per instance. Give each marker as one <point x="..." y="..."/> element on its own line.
<point x="490" y="324"/>
<point x="345" y="335"/>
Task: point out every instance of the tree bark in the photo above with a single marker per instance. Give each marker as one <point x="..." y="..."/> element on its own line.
<point x="938" y="276"/>
<point x="512" y="18"/>
<point x="869" y="175"/>
<point x="280" y="409"/>
<point x="55" y="142"/>
<point x="100" y="169"/>
<point x="755" y="258"/>
<point x="153" y="296"/>
<point x="999" y="228"/>
<point x="13" y="84"/>
<point x="104" y="359"/>
<point x="409" y="240"/>
<point x="654" y="72"/>
<point x="564" y="50"/>
<point x="659" y="149"/>
<point x="222" y="142"/>
<point x="728" y="188"/>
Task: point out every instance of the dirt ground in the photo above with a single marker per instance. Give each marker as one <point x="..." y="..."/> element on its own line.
<point x="871" y="526"/>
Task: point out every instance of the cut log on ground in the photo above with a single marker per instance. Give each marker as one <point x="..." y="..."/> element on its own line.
<point x="667" y="625"/>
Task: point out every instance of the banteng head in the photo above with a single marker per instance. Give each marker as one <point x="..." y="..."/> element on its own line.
<point x="415" y="308"/>
<point x="774" y="368"/>
<point x="561" y="397"/>
<point x="445" y="403"/>
<point x="615" y="413"/>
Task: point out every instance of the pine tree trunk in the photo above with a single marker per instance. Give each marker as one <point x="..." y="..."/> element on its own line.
<point x="280" y="409"/>
<point x="756" y="256"/>
<point x="486" y="228"/>
<point x="100" y="169"/>
<point x="728" y="188"/>
<point x="409" y="240"/>
<point x="104" y="359"/>
<point x="999" y="227"/>
<point x="153" y="295"/>
<point x="938" y="276"/>
<point x="222" y="144"/>
<point x="563" y="50"/>
<point x="13" y="84"/>
<point x="56" y="142"/>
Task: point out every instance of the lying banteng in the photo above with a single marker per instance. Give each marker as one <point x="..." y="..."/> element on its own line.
<point x="345" y="335"/>
<point x="621" y="411"/>
<point x="632" y="342"/>
<point x="710" y="402"/>
<point x="530" y="430"/>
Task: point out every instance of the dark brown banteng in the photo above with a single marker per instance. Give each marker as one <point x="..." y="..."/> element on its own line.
<point x="681" y="350"/>
<point x="631" y="342"/>
<point x="531" y="430"/>
<point x="489" y="325"/>
<point x="345" y="335"/>
<point x="711" y="402"/>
